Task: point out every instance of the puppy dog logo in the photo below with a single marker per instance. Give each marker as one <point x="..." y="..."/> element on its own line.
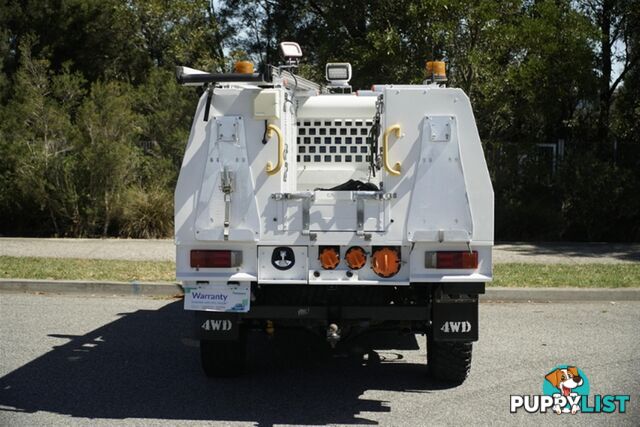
<point x="571" y="383"/>
<point x="565" y="390"/>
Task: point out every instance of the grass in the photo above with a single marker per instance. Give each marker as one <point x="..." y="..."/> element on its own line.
<point x="574" y="275"/>
<point x="512" y="275"/>
<point x="86" y="269"/>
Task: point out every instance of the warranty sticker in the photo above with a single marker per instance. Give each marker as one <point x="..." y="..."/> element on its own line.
<point x="221" y="298"/>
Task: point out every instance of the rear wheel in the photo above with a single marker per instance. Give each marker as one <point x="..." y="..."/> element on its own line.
<point x="224" y="359"/>
<point x="449" y="361"/>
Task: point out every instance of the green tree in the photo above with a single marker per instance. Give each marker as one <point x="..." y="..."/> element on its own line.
<point x="617" y="24"/>
<point x="39" y="134"/>
<point x="109" y="155"/>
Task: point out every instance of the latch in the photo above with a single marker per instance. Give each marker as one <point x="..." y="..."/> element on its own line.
<point x="226" y="186"/>
<point x="360" y="197"/>
<point x="307" y="197"/>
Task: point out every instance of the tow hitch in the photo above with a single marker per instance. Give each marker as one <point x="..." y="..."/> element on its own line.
<point x="333" y="335"/>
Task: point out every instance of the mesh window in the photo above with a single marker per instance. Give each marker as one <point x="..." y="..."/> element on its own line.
<point x="329" y="138"/>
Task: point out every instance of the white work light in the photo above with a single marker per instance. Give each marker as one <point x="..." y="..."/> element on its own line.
<point x="290" y="50"/>
<point x="338" y="73"/>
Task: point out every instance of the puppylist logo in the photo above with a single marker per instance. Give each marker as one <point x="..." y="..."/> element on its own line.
<point x="565" y="390"/>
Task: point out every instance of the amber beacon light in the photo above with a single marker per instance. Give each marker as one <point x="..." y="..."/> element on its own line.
<point x="385" y="262"/>
<point x="436" y="71"/>
<point x="243" y="67"/>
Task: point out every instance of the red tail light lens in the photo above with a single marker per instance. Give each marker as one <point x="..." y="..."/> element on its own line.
<point x="215" y="258"/>
<point x="452" y="259"/>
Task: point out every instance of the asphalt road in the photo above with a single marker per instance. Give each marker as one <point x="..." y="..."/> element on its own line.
<point x="125" y="361"/>
<point x="164" y="250"/>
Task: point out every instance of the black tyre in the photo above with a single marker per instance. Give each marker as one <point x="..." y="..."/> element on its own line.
<point x="449" y="361"/>
<point x="224" y="359"/>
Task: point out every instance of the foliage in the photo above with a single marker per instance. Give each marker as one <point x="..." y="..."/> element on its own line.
<point x="147" y="213"/>
<point x="93" y="125"/>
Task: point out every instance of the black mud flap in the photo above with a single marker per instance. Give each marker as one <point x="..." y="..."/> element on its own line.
<point x="455" y="319"/>
<point x="217" y="326"/>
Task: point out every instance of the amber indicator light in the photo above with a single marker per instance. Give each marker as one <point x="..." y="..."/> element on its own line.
<point x="356" y="258"/>
<point x="329" y="258"/>
<point x="385" y="262"/>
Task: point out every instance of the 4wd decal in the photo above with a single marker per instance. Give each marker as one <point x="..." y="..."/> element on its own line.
<point x="455" y="320"/>
<point x="217" y="325"/>
<point x="456" y="327"/>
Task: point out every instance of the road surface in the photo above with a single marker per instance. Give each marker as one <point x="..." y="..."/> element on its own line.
<point x="131" y="361"/>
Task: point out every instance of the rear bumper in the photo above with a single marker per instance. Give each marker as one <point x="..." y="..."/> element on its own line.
<point x="422" y="306"/>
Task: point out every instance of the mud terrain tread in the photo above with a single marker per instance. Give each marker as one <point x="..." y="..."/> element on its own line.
<point x="449" y="361"/>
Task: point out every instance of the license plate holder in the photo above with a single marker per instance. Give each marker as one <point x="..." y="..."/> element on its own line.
<point x="221" y="298"/>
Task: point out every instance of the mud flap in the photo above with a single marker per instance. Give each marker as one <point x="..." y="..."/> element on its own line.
<point x="455" y="319"/>
<point x="216" y="326"/>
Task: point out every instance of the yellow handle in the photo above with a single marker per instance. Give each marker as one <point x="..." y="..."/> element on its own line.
<point x="270" y="169"/>
<point x="395" y="170"/>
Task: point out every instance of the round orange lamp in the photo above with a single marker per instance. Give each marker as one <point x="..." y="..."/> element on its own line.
<point x="385" y="262"/>
<point x="329" y="258"/>
<point x="356" y="258"/>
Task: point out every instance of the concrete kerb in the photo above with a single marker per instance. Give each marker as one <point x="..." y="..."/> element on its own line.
<point x="84" y="287"/>
<point x="493" y="294"/>
<point x="502" y="294"/>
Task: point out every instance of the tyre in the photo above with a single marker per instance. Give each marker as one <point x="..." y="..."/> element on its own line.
<point x="449" y="361"/>
<point x="224" y="359"/>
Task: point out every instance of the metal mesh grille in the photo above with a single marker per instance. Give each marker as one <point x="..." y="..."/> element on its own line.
<point x="333" y="141"/>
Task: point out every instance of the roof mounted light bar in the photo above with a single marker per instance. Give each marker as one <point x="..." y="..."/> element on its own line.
<point x="191" y="77"/>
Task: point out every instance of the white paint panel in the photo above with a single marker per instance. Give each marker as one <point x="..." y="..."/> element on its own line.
<point x="337" y="106"/>
<point x="296" y="274"/>
<point x="227" y="151"/>
<point x="440" y="209"/>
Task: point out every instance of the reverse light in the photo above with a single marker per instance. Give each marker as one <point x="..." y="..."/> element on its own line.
<point x="215" y="258"/>
<point x="451" y="259"/>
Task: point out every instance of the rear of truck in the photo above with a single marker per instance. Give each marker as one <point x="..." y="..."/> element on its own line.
<point x="336" y="212"/>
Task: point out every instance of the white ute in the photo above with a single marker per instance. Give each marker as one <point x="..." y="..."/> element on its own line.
<point x="336" y="211"/>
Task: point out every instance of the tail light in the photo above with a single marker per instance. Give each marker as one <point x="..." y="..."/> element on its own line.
<point x="215" y="258"/>
<point x="452" y="259"/>
<point x="385" y="261"/>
